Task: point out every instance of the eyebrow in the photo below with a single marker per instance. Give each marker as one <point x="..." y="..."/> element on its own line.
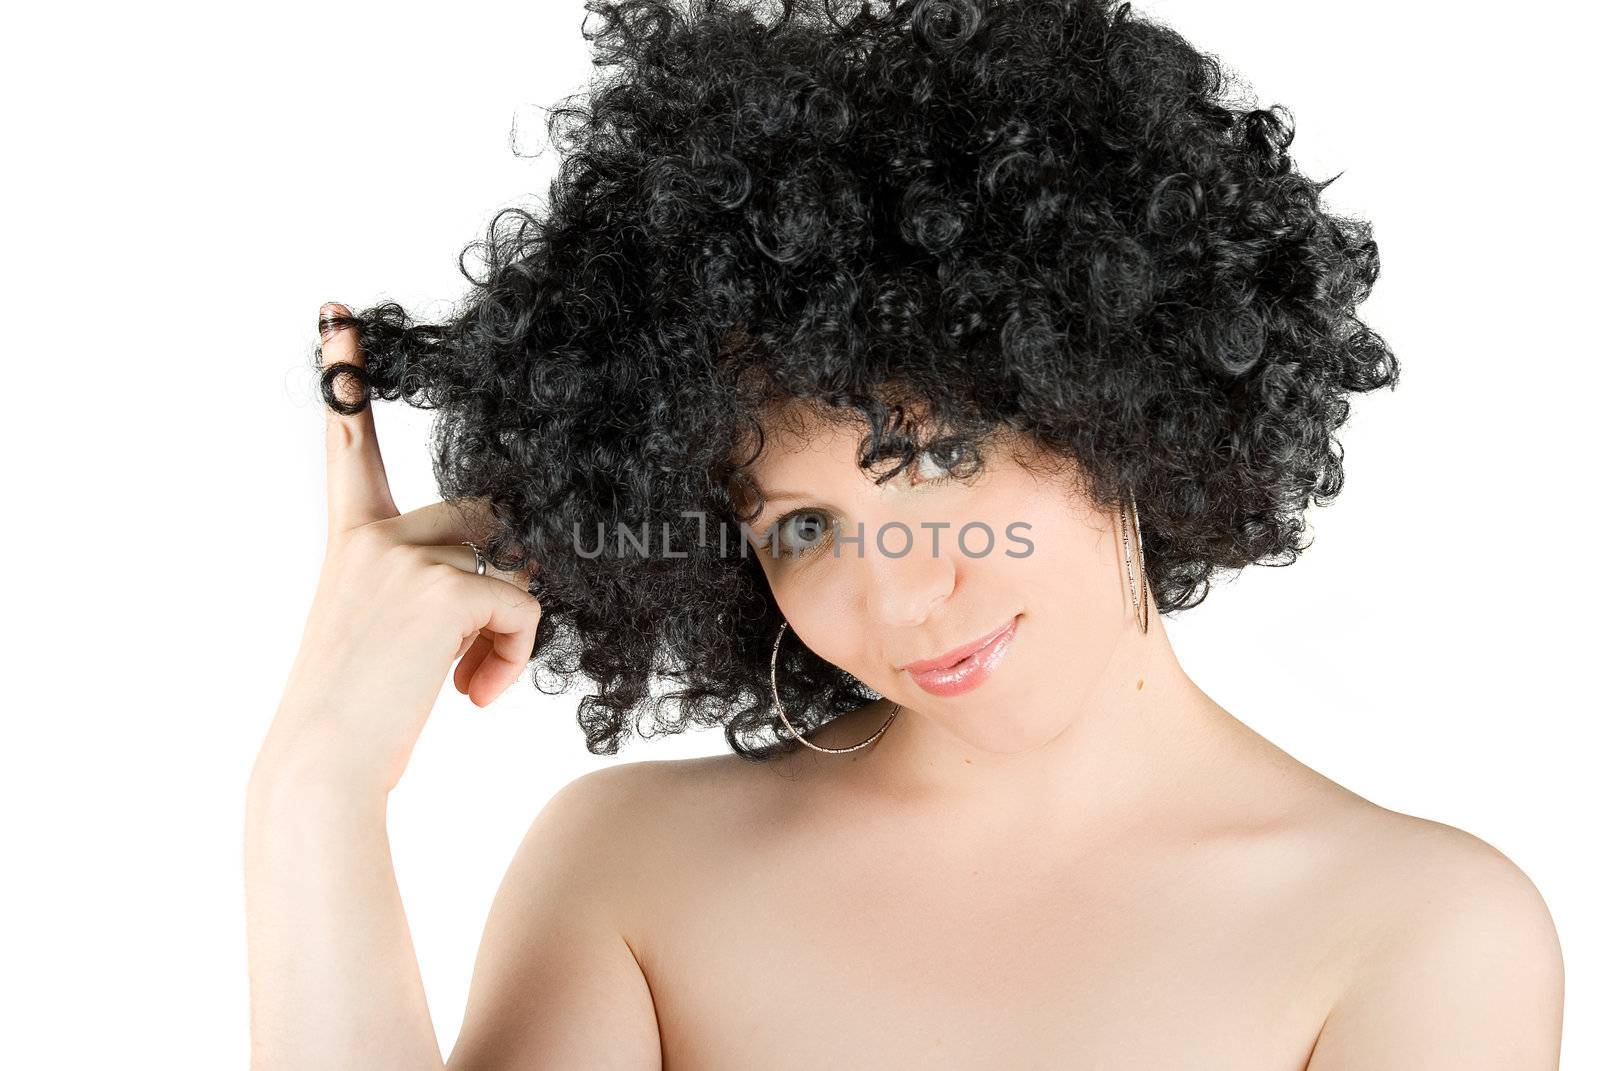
<point x="768" y="497"/>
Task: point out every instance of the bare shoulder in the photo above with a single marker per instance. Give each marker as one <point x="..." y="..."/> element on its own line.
<point x="1454" y="960"/>
<point x="1410" y="857"/>
<point x="1412" y="871"/>
<point x="1440" y="950"/>
<point x="1438" y="883"/>
<point x="1408" y="863"/>
<point x="560" y="978"/>
<point x="647" y="813"/>
<point x="1416" y="875"/>
<point x="629" y="791"/>
<point x="1458" y="964"/>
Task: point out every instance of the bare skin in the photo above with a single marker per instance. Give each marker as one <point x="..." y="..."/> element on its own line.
<point x="1247" y="913"/>
<point x="1124" y="876"/>
<point x="1083" y="863"/>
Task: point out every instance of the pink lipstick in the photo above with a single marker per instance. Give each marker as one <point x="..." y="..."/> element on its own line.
<point x="965" y="667"/>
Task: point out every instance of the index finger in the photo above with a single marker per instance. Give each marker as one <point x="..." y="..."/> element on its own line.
<point x="358" y="486"/>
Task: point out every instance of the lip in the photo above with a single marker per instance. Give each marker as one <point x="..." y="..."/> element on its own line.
<point x="966" y="667"/>
<point x="956" y="654"/>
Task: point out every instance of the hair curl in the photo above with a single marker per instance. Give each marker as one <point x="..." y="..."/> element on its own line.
<point x="1047" y="215"/>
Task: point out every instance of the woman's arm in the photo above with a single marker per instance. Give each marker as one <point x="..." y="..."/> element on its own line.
<point x="333" y="975"/>
<point x="334" y="979"/>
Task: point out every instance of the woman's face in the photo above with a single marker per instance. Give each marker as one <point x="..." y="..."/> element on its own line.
<point x="942" y="562"/>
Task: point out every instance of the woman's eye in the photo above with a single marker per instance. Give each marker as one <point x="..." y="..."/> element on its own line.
<point x="937" y="462"/>
<point x="800" y="532"/>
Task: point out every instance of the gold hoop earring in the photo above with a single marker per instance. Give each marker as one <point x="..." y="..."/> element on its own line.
<point x="1139" y="593"/>
<point x="779" y="705"/>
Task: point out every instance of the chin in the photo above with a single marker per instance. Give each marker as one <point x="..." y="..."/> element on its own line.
<point x="1001" y="724"/>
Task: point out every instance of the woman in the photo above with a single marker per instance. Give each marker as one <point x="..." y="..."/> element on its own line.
<point x="875" y="381"/>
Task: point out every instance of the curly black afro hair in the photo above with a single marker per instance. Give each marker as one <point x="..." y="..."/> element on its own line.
<point x="1043" y="215"/>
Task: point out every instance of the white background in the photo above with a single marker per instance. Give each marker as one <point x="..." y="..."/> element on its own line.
<point x="188" y="183"/>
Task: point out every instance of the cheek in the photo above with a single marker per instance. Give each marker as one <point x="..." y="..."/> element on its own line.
<point x="818" y="599"/>
<point x="1073" y="589"/>
<point x="1059" y="554"/>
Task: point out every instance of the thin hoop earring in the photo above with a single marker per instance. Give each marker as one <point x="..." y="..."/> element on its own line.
<point x="1140" y="593"/>
<point x="779" y="705"/>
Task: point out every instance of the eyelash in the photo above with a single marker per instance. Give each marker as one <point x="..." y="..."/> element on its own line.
<point x="777" y="525"/>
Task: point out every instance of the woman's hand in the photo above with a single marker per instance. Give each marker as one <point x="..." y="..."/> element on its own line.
<point x="398" y="600"/>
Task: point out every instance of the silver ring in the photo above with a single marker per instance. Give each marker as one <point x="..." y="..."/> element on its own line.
<point x="483" y="563"/>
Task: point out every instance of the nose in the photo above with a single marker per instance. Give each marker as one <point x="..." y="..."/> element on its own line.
<point x="905" y="588"/>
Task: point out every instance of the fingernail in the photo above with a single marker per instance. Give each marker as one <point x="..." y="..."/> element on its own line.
<point x="326" y="313"/>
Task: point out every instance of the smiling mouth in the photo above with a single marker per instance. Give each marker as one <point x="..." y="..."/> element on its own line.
<point x="954" y="657"/>
<point x="967" y="672"/>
